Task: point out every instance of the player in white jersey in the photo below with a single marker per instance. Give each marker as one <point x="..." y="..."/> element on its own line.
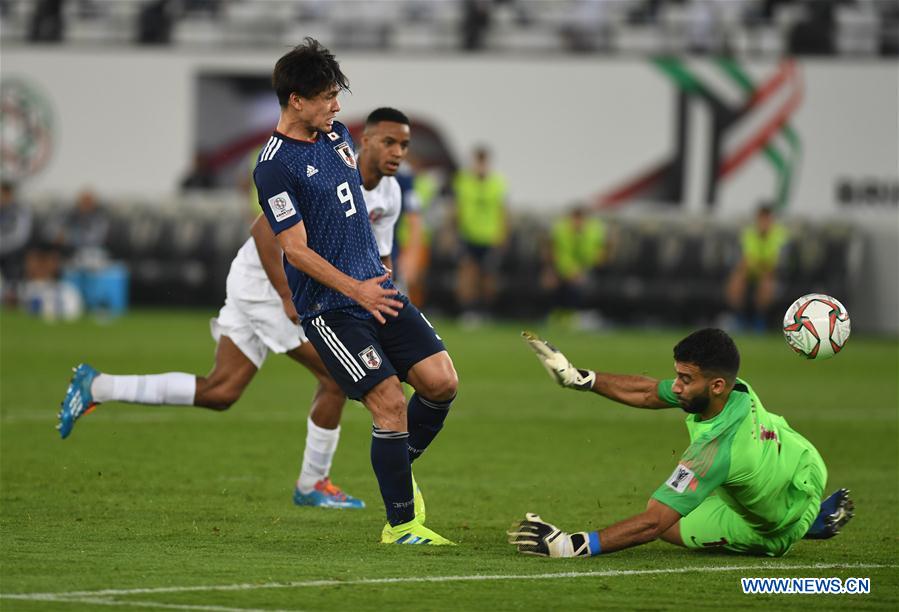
<point x="258" y="318"/>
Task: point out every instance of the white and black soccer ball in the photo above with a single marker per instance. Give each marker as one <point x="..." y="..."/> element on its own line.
<point x="816" y="326"/>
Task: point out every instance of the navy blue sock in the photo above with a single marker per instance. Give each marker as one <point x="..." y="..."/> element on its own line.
<point x="390" y="460"/>
<point x="425" y="418"/>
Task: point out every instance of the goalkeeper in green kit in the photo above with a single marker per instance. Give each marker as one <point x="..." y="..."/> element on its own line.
<point x="747" y="483"/>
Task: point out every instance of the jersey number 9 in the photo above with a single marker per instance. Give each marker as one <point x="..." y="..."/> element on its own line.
<point x="346" y="197"/>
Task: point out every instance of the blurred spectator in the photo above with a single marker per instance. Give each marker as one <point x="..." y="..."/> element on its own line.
<point x="814" y="35"/>
<point x="588" y="28"/>
<point x="47" y="24"/>
<point x="480" y="197"/>
<point x="578" y="248"/>
<point x="645" y="12"/>
<point x="476" y="17"/>
<point x="209" y="8"/>
<point x="15" y="232"/>
<point x="889" y="31"/>
<point x="84" y="228"/>
<point x="40" y="292"/>
<point x="769" y="8"/>
<point x="154" y="23"/>
<point x="82" y="234"/>
<point x="750" y="289"/>
<point x="411" y="242"/>
<point x="201" y="176"/>
<point x="247" y="186"/>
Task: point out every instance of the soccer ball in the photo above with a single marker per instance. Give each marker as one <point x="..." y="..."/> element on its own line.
<point x="816" y="326"/>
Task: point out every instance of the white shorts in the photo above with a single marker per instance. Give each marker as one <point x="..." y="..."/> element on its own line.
<point x="254" y="319"/>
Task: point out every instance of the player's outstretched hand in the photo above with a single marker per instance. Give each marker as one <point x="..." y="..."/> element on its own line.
<point x="376" y="299"/>
<point x="560" y="369"/>
<point x="534" y="536"/>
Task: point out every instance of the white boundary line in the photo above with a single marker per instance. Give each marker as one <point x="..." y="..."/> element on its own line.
<point x="98" y="596"/>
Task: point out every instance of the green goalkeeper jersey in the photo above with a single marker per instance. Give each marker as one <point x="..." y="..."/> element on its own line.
<point x="747" y="456"/>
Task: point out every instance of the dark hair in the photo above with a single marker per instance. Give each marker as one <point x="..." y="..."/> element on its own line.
<point x="307" y="70"/>
<point x="385" y="113"/>
<point x="765" y="208"/>
<point x="712" y="350"/>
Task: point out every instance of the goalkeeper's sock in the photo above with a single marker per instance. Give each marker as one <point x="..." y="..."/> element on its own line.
<point x="425" y="418"/>
<point x="390" y="460"/>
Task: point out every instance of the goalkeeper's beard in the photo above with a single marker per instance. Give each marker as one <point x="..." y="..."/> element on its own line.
<point x="697" y="405"/>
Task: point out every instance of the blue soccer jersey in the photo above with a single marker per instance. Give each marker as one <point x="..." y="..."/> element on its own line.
<point x="317" y="182"/>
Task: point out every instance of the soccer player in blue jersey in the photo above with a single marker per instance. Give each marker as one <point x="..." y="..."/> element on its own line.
<point x="748" y="482"/>
<point x="368" y="334"/>
<point x="258" y="318"/>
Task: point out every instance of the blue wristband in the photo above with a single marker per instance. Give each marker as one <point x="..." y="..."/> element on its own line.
<point x="595" y="548"/>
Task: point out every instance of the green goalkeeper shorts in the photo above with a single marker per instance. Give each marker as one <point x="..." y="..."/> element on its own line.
<point x="714" y="525"/>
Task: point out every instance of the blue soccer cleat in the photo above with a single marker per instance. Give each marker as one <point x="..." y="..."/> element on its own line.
<point x="78" y="400"/>
<point x="326" y="495"/>
<point x="835" y="512"/>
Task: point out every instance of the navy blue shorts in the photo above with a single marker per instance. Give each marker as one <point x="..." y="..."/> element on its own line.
<point x="360" y="353"/>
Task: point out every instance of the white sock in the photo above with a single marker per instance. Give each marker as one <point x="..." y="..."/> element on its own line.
<point x="171" y="388"/>
<point x="321" y="444"/>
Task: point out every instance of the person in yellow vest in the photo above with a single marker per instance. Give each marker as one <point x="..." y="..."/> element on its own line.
<point x="480" y="196"/>
<point x="412" y="240"/>
<point x="751" y="286"/>
<point x="578" y="247"/>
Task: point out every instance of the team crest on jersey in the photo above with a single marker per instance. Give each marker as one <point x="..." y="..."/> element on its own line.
<point x="346" y="154"/>
<point x="681" y="478"/>
<point x="370" y="358"/>
<point x="281" y="206"/>
<point x="333" y="136"/>
<point x="375" y="214"/>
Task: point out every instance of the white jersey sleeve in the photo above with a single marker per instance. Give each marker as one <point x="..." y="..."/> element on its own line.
<point x="384" y="203"/>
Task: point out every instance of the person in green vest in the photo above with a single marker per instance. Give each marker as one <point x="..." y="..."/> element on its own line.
<point x="578" y="247"/>
<point x="480" y="196"/>
<point x="412" y="239"/>
<point x="752" y="283"/>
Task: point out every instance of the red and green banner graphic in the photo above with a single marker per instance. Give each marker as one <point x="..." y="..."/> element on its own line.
<point x="758" y="124"/>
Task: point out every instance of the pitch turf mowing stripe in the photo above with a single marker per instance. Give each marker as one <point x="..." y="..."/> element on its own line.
<point x="770" y="567"/>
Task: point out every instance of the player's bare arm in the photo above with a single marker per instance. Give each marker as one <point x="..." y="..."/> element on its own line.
<point x="636" y="391"/>
<point x="270" y="257"/>
<point x="639" y="529"/>
<point x="534" y="536"/>
<point x="368" y="293"/>
<point x="632" y="390"/>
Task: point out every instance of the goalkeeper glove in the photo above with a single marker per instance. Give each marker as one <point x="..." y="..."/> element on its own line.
<point x="558" y="366"/>
<point x="534" y="536"/>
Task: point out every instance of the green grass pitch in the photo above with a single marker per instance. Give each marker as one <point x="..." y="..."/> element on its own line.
<point x="141" y="503"/>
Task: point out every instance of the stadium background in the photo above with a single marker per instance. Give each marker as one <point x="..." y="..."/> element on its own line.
<point x="634" y="108"/>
